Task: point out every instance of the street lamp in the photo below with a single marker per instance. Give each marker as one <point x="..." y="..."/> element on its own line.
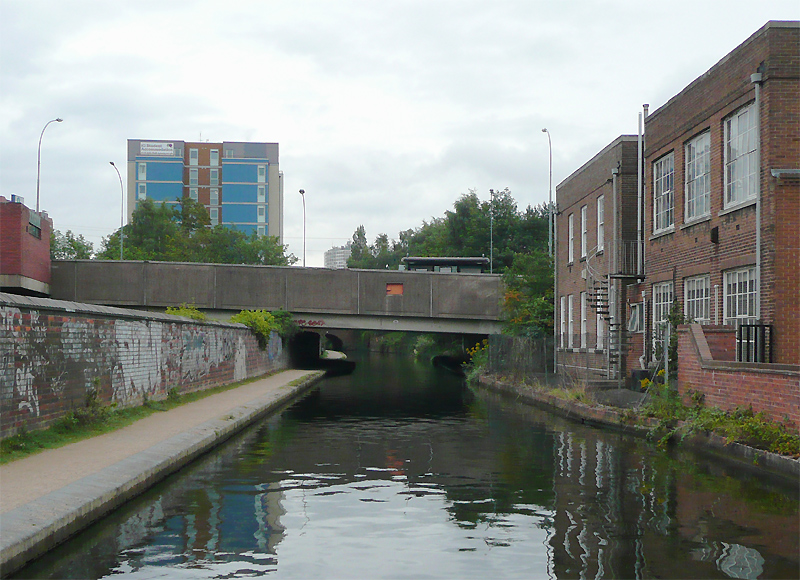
<point x="550" y="204"/>
<point x="303" y="195"/>
<point x="491" y="231"/>
<point x="121" y="211"/>
<point x="39" y="160"/>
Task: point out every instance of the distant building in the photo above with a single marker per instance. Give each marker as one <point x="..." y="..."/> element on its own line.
<point x="336" y="258"/>
<point x="462" y="265"/>
<point x="239" y="183"/>
<point x="24" y="249"/>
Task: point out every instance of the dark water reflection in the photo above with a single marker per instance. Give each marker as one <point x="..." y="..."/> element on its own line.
<point x="400" y="471"/>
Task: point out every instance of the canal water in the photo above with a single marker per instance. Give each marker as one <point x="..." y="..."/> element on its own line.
<point x="401" y="471"/>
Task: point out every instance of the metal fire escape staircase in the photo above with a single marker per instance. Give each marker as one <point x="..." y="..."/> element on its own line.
<point x="598" y="299"/>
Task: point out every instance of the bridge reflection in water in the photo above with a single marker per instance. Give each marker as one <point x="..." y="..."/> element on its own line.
<point x="399" y="471"/>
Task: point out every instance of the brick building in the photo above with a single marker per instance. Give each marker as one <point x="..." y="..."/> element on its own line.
<point x="721" y="211"/>
<point x="24" y="249"/>
<point x="239" y="183"/>
<point x="596" y="258"/>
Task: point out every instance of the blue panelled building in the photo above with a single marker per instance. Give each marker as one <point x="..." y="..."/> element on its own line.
<point x="239" y="183"/>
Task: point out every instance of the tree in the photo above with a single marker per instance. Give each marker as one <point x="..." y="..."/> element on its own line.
<point x="69" y="246"/>
<point x="528" y="302"/>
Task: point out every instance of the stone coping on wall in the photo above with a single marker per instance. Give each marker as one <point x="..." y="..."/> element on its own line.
<point x="756" y="460"/>
<point x="33" y="303"/>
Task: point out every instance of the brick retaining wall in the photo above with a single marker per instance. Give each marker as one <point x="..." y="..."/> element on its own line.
<point x="771" y="388"/>
<point x="53" y="352"/>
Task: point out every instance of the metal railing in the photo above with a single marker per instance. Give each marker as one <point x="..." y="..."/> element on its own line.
<point x="754" y="343"/>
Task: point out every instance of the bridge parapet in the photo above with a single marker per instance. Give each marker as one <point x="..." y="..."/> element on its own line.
<point x="380" y="299"/>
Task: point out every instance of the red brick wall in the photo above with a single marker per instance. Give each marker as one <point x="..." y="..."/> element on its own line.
<point x="703" y="106"/>
<point x="22" y="254"/>
<point x="721" y="341"/>
<point x="51" y="357"/>
<point x="729" y="385"/>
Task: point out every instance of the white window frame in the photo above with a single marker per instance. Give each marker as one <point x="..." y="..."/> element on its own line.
<point x="262" y="214"/>
<point x="739" y="296"/>
<point x="213" y="176"/>
<point x="261" y="230"/>
<point x="741" y="144"/>
<point x="194" y="156"/>
<point x="142" y="172"/>
<point x="193" y="176"/>
<point x="636" y="319"/>
<point x="563" y="320"/>
<point x="601" y="332"/>
<point x="697" y="299"/>
<point x="570" y="323"/>
<point x="142" y="191"/>
<point x="213" y="216"/>
<point x="583" y="320"/>
<point x="584" y="231"/>
<point x="262" y="174"/>
<point x="193" y="193"/>
<point x="213" y="157"/>
<point x="663" y="294"/>
<point x="698" y="177"/>
<point x="601" y="231"/>
<point x="571" y="244"/>
<point x="664" y="193"/>
<point x="262" y="193"/>
<point x="213" y="196"/>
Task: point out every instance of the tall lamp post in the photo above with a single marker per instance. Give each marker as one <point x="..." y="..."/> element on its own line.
<point x="39" y="160"/>
<point x="491" y="231"/>
<point x="121" y="211"/>
<point x="550" y="204"/>
<point x="551" y="225"/>
<point x="303" y="195"/>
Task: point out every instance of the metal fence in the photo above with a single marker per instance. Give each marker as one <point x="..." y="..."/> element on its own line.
<point x="521" y="357"/>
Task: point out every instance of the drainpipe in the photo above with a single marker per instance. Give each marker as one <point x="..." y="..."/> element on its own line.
<point x="614" y="269"/>
<point x="757" y="79"/>
<point x="640" y="194"/>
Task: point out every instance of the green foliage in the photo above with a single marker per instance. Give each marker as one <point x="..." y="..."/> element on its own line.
<point x="180" y="232"/>
<point x="187" y="310"/>
<point x="740" y="425"/>
<point x="478" y="359"/>
<point x="260" y="322"/>
<point x="68" y="246"/>
<point x="528" y="301"/>
<point x="284" y="323"/>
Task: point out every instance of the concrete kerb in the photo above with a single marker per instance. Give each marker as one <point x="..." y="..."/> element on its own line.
<point x="754" y="460"/>
<point x="34" y="528"/>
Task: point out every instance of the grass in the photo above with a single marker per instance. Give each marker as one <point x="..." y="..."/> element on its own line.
<point x="94" y="419"/>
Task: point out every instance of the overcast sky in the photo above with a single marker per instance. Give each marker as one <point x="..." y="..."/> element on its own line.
<point x="385" y="111"/>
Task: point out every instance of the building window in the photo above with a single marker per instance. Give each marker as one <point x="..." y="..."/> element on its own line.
<point x="570" y="325"/>
<point x="213" y="177"/>
<point x="193" y="193"/>
<point x="213" y="215"/>
<point x="213" y="196"/>
<point x="213" y="157"/>
<point x="571" y="245"/>
<point x="142" y="171"/>
<point x="142" y="191"/>
<point x="193" y="177"/>
<point x="740" y="156"/>
<point x="262" y="173"/>
<point x="262" y="214"/>
<point x="584" y="232"/>
<point x="194" y="155"/>
<point x="601" y="331"/>
<point x="601" y="233"/>
<point x="261" y="230"/>
<point x="740" y="296"/>
<point x="262" y="194"/>
<point x="697" y="299"/>
<point x="563" y="320"/>
<point x="698" y="183"/>
<point x="636" y="319"/>
<point x="583" y="319"/>
<point x="663" y="198"/>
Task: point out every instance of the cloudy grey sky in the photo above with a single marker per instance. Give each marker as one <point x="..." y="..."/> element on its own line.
<point x="385" y="111"/>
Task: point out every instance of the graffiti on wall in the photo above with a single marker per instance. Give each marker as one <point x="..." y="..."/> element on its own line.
<point x="52" y="354"/>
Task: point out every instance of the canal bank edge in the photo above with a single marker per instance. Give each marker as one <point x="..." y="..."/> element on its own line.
<point x="32" y="529"/>
<point x="755" y="460"/>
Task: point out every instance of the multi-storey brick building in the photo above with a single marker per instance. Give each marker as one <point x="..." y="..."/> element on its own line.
<point x="721" y="211"/>
<point x="239" y="183"/>
<point x="596" y="258"/>
<point x="24" y="249"/>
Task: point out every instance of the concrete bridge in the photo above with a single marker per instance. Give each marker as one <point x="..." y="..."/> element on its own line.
<point x="317" y="298"/>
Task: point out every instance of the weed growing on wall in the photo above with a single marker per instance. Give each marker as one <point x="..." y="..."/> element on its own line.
<point x="188" y="311"/>
<point x="262" y="323"/>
